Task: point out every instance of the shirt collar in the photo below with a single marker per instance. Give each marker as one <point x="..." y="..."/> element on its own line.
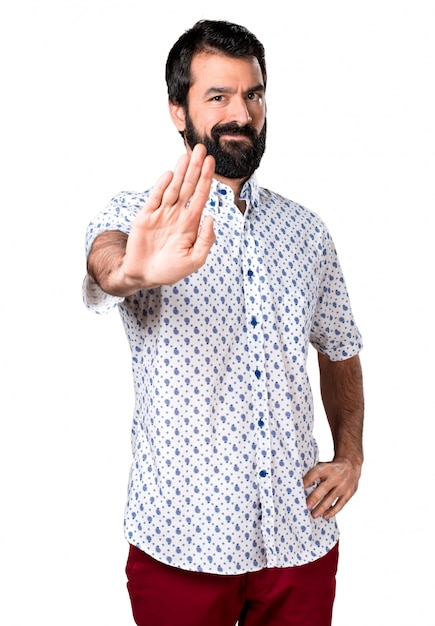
<point x="250" y="192"/>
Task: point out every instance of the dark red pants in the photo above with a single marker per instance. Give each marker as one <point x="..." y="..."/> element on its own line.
<point x="167" y="596"/>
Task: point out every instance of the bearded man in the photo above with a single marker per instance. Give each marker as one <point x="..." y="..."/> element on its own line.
<point x="222" y="286"/>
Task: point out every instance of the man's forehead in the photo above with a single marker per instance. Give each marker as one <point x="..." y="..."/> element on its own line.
<point x="213" y="65"/>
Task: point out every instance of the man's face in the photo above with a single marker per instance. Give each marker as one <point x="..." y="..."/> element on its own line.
<point x="227" y="113"/>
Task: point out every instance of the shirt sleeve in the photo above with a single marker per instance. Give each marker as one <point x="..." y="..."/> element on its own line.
<point x="118" y="215"/>
<point x="333" y="331"/>
<point x="96" y="299"/>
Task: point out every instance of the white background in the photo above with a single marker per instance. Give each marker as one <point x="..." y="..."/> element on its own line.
<point x="351" y="136"/>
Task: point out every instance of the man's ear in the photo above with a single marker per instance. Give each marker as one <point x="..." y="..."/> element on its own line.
<point x="178" y="116"/>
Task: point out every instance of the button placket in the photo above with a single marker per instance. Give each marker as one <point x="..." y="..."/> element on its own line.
<point x="256" y="347"/>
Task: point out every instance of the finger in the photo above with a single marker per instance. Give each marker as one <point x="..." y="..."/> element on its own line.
<point x="316" y="497"/>
<point x="207" y="173"/>
<point x="325" y="505"/>
<point x="198" y="175"/>
<point x="331" y="506"/>
<point x="190" y="171"/>
<point x="335" y="508"/>
<point x="173" y="192"/>
<point x="155" y="196"/>
<point x="186" y="175"/>
<point x="192" y="208"/>
<point x="201" y="192"/>
<point x="312" y="477"/>
<point x="204" y="241"/>
<point x="326" y="488"/>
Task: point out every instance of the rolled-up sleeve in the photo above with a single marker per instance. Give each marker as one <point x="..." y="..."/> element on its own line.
<point x="334" y="331"/>
<point x="118" y="215"/>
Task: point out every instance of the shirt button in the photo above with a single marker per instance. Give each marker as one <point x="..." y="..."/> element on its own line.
<point x="260" y="423"/>
<point x="263" y="473"/>
<point x="257" y="373"/>
<point x="250" y="273"/>
<point x="254" y="322"/>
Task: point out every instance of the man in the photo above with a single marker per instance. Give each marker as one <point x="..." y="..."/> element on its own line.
<point x="221" y="286"/>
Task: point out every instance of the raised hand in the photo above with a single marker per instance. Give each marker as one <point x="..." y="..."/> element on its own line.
<point x="166" y="242"/>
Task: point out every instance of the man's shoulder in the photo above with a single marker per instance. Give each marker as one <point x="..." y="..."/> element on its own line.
<point x="287" y="208"/>
<point x="125" y="204"/>
<point x="129" y="199"/>
<point x="119" y="214"/>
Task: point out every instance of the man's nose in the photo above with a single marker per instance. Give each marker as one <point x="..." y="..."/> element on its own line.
<point x="239" y="112"/>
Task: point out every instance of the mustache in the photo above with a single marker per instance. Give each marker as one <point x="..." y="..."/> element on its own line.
<point x="233" y="129"/>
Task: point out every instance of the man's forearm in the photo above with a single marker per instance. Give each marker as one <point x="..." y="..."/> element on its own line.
<point x="105" y="262"/>
<point x="341" y="386"/>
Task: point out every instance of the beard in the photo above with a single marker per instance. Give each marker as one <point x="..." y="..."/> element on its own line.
<point x="233" y="159"/>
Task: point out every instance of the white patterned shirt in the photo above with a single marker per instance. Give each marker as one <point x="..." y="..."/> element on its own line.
<point x="222" y="429"/>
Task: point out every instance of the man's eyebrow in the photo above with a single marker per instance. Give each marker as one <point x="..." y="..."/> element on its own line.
<point x="211" y="91"/>
<point x="259" y="87"/>
<point x="222" y="90"/>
